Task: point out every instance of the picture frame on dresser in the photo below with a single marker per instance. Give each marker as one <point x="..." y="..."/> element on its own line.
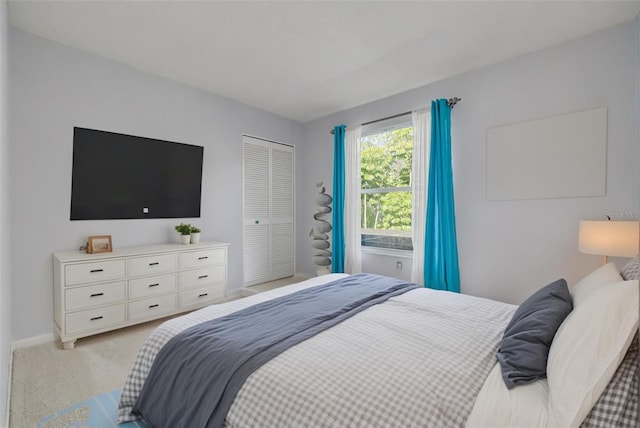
<point x="99" y="244"/>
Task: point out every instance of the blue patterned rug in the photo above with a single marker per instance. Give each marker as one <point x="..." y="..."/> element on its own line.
<point x="100" y="411"/>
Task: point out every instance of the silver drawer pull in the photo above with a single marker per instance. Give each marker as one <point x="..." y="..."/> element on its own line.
<point x="96" y="270"/>
<point x="96" y="318"/>
<point x="154" y="285"/>
<point x="203" y="258"/>
<point x="203" y="276"/>
<point x="97" y="295"/>
<point x="154" y="263"/>
<point x="203" y="295"/>
<point x="153" y="306"/>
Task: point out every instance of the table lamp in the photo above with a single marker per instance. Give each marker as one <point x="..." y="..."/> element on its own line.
<point x="609" y="238"/>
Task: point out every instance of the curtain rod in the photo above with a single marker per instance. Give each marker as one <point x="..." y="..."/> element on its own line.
<point x="450" y="102"/>
<point x="386" y="118"/>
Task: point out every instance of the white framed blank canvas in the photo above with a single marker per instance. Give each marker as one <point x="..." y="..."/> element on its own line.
<point x="561" y="156"/>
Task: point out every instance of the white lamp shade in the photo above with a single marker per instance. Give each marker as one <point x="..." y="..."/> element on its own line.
<point x="609" y="238"/>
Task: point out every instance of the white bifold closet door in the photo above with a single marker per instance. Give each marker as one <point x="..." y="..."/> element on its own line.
<point x="268" y="236"/>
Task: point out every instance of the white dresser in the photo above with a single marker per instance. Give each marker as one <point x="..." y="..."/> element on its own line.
<point x="94" y="293"/>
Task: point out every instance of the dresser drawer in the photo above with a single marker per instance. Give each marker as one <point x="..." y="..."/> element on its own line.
<point x="151" y="285"/>
<point x="193" y="259"/>
<point x="94" y="319"/>
<point x="201" y="277"/>
<point x="94" y="295"/>
<point x="94" y="272"/>
<point x="203" y="295"/>
<point x="151" y="265"/>
<point x="152" y="307"/>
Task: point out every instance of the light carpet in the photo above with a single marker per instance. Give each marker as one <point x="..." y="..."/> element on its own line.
<point x="47" y="378"/>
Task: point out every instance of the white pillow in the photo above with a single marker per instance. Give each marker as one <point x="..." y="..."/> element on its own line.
<point x="587" y="350"/>
<point x="605" y="274"/>
<point x="497" y="406"/>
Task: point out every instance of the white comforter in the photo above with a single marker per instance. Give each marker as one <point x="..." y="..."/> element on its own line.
<point x="419" y="359"/>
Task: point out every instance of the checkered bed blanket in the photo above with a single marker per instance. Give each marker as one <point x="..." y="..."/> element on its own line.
<point x="618" y="404"/>
<point x="418" y="359"/>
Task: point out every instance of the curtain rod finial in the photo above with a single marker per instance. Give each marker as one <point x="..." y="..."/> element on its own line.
<point x="453" y="101"/>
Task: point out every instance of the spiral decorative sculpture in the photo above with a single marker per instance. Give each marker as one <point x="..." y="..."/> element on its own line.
<point x="319" y="234"/>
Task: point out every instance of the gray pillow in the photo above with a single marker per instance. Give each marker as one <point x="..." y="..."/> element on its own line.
<point x="631" y="269"/>
<point x="525" y="345"/>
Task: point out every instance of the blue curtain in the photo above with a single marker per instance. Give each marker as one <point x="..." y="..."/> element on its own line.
<point x="440" y="247"/>
<point x="337" y="236"/>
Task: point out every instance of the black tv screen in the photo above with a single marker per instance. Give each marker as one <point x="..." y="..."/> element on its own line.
<point x="117" y="176"/>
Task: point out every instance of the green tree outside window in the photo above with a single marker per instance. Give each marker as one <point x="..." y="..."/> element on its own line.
<point x="386" y="179"/>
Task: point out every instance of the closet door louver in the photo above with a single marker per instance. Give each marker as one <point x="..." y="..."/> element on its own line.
<point x="268" y="239"/>
<point x="281" y="211"/>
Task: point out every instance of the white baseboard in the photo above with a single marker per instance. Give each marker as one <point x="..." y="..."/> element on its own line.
<point x="32" y="341"/>
<point x="244" y="292"/>
<point x="234" y="295"/>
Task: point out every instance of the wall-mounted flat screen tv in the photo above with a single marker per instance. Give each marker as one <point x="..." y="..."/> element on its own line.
<point x="117" y="176"/>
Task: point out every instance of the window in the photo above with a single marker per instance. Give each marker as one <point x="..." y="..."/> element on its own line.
<point x="386" y="200"/>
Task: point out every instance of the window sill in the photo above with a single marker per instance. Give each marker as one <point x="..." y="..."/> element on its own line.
<point x="387" y="252"/>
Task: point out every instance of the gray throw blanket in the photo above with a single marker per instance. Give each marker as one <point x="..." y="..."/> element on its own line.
<point x="197" y="374"/>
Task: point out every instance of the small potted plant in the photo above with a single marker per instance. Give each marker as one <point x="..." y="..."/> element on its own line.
<point x="185" y="232"/>
<point x="195" y="235"/>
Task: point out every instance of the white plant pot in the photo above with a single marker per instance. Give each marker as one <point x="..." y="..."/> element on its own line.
<point x="195" y="238"/>
<point x="185" y="239"/>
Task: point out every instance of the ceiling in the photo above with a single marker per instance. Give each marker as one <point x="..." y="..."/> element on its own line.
<point x="307" y="59"/>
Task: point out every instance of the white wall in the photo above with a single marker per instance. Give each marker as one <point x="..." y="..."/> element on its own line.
<point x="638" y="136"/>
<point x="53" y="89"/>
<point x="382" y="264"/>
<point x="509" y="249"/>
<point x="5" y="288"/>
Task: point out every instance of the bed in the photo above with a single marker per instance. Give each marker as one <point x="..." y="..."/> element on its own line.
<point x="418" y="358"/>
